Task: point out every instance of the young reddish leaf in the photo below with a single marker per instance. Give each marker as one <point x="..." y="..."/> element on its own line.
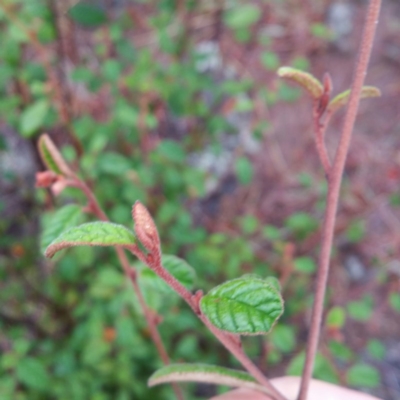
<point x="206" y="374"/>
<point x="145" y="228"/>
<point x="248" y="305"/>
<point x="342" y="98"/>
<point x="92" y="234"/>
<point x="52" y="158"/>
<point x="313" y="86"/>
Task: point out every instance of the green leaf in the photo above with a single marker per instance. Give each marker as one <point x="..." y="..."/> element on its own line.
<point x="58" y="222"/>
<point x="283" y="338"/>
<point x="88" y="15"/>
<point x="243" y="16"/>
<point x="305" y="265"/>
<point x="394" y="301"/>
<point x="206" y="374"/>
<point x="92" y="234"/>
<point x="177" y="267"/>
<point x="244" y="170"/>
<point x="360" y="310"/>
<point x="343" y="98"/>
<point x="248" y="305"/>
<point x="32" y="373"/>
<point x="336" y="317"/>
<point x="323" y="368"/>
<point x="172" y="150"/>
<point x="340" y="351"/>
<point x="32" y="118"/>
<point x="356" y="231"/>
<point x="51" y="157"/>
<point x="376" y="349"/>
<point x="270" y="60"/>
<point x="311" y="84"/>
<point x="363" y="375"/>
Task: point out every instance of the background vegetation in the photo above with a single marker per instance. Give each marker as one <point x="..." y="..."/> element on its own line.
<point x="176" y="104"/>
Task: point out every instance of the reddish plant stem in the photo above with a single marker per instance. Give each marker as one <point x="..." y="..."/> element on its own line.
<point x="226" y="339"/>
<point x="150" y="317"/>
<point x="334" y="183"/>
<point x="320" y="140"/>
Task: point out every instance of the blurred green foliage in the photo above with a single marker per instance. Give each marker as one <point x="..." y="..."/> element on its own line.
<point x="72" y="328"/>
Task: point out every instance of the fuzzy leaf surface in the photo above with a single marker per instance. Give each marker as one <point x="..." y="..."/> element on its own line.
<point x="92" y="234"/>
<point x="248" y="305"/>
<point x="51" y="156"/>
<point x="206" y="374"/>
<point x="343" y="98"/>
<point x="313" y="86"/>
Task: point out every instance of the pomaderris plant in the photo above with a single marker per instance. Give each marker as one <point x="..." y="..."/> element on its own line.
<point x="247" y="305"/>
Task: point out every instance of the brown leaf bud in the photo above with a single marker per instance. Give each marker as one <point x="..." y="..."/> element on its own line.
<point x="145" y="227"/>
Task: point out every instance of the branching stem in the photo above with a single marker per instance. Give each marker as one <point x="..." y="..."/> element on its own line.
<point x="150" y="317"/>
<point x="334" y="183"/>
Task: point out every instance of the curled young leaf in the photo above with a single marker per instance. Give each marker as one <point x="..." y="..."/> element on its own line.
<point x="92" y="234"/>
<point x="342" y="98"/>
<point x="145" y="228"/>
<point x="313" y="86"/>
<point x="248" y="305"/>
<point x="52" y="158"/>
<point x="206" y="374"/>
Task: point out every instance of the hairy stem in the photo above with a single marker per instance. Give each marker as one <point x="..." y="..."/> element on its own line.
<point x="319" y="131"/>
<point x="150" y="318"/>
<point x="334" y="182"/>
<point x="226" y="340"/>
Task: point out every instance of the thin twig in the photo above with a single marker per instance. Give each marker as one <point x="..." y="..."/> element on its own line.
<point x="319" y="131"/>
<point x="334" y="182"/>
<point x="226" y="339"/>
<point x="94" y="207"/>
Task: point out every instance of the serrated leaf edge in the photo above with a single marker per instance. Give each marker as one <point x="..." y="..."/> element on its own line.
<point x="57" y="245"/>
<point x="250" y="277"/>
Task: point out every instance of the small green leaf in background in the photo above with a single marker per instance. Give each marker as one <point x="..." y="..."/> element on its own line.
<point x="356" y="231"/>
<point x="32" y="373"/>
<point x="242" y="17"/>
<point x="87" y="15"/>
<point x="177" y="267"/>
<point x="248" y="305"/>
<point x="157" y="293"/>
<point x="363" y="375"/>
<point x="301" y="224"/>
<point x="283" y="338"/>
<point x="305" y="264"/>
<point x="323" y="368"/>
<point x="270" y="232"/>
<point x="244" y="170"/>
<point x="360" y="310"/>
<point x="249" y="224"/>
<point x="172" y="150"/>
<point x="206" y="374"/>
<point x="336" y="317"/>
<point x="59" y="221"/>
<point x="270" y="60"/>
<point x="376" y="349"/>
<point x="340" y="351"/>
<point x="32" y="118"/>
<point x="394" y="301"/>
<point x="92" y="234"/>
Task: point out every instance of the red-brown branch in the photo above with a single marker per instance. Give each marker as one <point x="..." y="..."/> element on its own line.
<point x="334" y="182"/>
